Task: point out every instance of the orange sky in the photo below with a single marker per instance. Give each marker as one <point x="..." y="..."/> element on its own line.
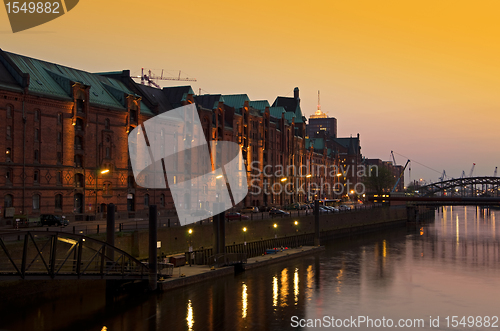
<point x="421" y="78"/>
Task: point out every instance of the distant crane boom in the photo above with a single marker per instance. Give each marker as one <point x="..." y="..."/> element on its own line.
<point x="400" y="176"/>
<point x="393" y="158"/>
<point x="472" y="170"/>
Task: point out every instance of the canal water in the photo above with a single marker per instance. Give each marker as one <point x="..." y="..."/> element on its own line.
<point x="444" y="275"/>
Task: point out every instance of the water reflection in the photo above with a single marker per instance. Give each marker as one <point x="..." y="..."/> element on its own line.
<point x="284" y="287"/>
<point x="296" y="286"/>
<point x="447" y="267"/>
<point x="244" y="300"/>
<point x="190" y="317"/>
<point x="275" y="291"/>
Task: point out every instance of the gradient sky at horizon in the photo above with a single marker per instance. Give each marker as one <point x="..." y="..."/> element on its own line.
<point x="420" y="78"/>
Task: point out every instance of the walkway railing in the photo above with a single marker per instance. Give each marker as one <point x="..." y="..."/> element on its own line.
<point x="56" y="255"/>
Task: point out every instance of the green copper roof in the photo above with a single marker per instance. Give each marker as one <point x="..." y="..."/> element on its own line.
<point x="259" y="104"/>
<point x="319" y="143"/>
<point x="236" y="101"/>
<point x="276" y="111"/>
<point x="55" y="81"/>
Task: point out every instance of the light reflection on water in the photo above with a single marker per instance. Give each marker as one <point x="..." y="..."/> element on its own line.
<point x="449" y="267"/>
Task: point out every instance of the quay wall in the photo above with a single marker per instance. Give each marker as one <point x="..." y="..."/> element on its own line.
<point x="176" y="240"/>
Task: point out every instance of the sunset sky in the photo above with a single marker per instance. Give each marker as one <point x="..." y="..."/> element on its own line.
<point x="421" y="78"/>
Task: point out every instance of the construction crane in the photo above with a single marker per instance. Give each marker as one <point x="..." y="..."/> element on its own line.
<point x="472" y="170"/>
<point x="400" y="176"/>
<point x="150" y="78"/>
<point x="393" y="158"/>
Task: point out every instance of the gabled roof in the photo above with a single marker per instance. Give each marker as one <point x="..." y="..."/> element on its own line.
<point x="7" y="80"/>
<point x="259" y="104"/>
<point x="155" y="96"/>
<point x="54" y="81"/>
<point x="208" y="101"/>
<point x="236" y="100"/>
<point x="352" y="144"/>
<point x="276" y="111"/>
<point x="177" y="94"/>
<point x="291" y="105"/>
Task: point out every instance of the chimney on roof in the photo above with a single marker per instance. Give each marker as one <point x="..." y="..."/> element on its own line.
<point x="296" y="93"/>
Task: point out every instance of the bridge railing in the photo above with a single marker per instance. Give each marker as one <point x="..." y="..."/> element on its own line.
<point x="36" y="255"/>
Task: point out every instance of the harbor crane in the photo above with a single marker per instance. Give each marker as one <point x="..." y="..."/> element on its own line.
<point x="400" y="176"/>
<point x="150" y="78"/>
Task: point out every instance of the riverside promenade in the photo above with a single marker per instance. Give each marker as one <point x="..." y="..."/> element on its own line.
<point x="186" y="275"/>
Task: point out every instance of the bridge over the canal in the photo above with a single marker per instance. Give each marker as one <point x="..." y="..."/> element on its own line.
<point x="467" y="186"/>
<point x="56" y="255"/>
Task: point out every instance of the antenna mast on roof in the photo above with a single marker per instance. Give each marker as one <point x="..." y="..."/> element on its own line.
<point x="319" y="103"/>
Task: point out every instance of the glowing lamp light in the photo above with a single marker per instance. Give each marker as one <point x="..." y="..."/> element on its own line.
<point x="244" y="229"/>
<point x="218" y="177"/>
<point x="275" y="225"/>
<point x="309" y="176"/>
<point x="296" y="223"/>
<point x="105" y="171"/>
<point x="339" y="174"/>
<point x="283" y="179"/>
<point x="190" y="231"/>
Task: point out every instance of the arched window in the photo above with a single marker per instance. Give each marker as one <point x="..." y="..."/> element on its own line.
<point x="37" y="115"/>
<point x="58" y="201"/>
<point x="130" y="202"/>
<point x="78" y="142"/>
<point x="8" y="154"/>
<point x="8" y="176"/>
<point x="146" y="200"/>
<point x="36" y="156"/>
<point x="79" y="124"/>
<point x="107" y="124"/>
<point x="36" y="177"/>
<point x="36" y="202"/>
<point x="9" y="133"/>
<point x="79" y="180"/>
<point x="59" y="118"/>
<point x="9" y="111"/>
<point x="78" y="161"/>
<point x="162" y="200"/>
<point x="108" y="152"/>
<point x="8" y="201"/>
<point x="37" y="134"/>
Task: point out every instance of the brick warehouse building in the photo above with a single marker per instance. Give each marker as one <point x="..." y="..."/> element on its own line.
<point x="83" y="121"/>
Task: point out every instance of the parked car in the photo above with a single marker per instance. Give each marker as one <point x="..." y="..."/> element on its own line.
<point x="332" y="209"/>
<point x="344" y="207"/>
<point x="236" y="216"/>
<point x="249" y="210"/>
<point x="278" y="212"/>
<point x="265" y="208"/>
<point x="47" y="219"/>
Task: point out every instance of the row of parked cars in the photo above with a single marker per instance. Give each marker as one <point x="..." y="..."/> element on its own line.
<point x="273" y="211"/>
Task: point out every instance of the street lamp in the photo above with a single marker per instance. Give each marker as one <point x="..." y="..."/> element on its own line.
<point x="190" y="231"/>
<point x="275" y="226"/>
<point x="103" y="172"/>
<point x="245" y="236"/>
<point x="307" y="185"/>
<point x="296" y="223"/>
